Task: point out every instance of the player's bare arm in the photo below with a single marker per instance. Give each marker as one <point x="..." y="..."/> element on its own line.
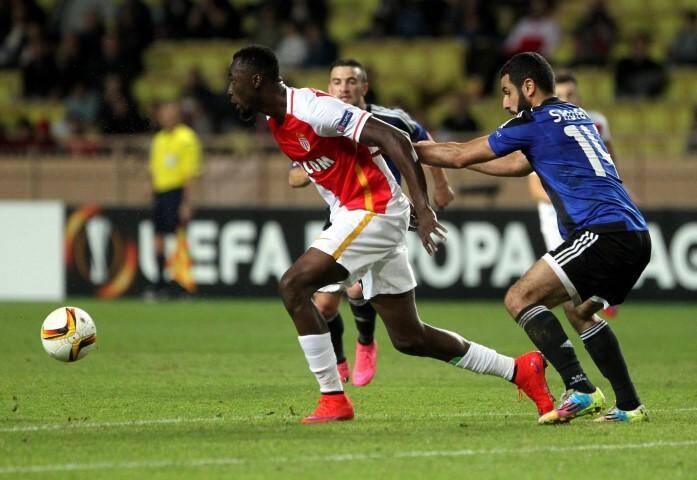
<point x="453" y="154"/>
<point x="398" y="146"/>
<point x="443" y="194"/>
<point x="512" y="165"/>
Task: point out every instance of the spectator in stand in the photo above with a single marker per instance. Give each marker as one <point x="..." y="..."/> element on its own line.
<point x="322" y="50"/>
<point x="80" y="16"/>
<point x="114" y="61"/>
<point x="16" y="37"/>
<point x="268" y="28"/>
<point x="118" y="113"/>
<point x="77" y="142"/>
<point x="43" y="140"/>
<point x="460" y="119"/>
<point x="536" y="32"/>
<point x="684" y="47"/>
<point x="476" y="22"/>
<point x="39" y="69"/>
<point x="213" y="19"/>
<point x="72" y="67"/>
<point x="594" y="36"/>
<point x="292" y="50"/>
<point x="82" y="103"/>
<point x="134" y="27"/>
<point x="172" y="18"/>
<point x="638" y="75"/>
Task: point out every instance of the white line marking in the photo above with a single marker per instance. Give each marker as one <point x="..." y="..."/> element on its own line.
<point x="247" y="418"/>
<point x="205" y="462"/>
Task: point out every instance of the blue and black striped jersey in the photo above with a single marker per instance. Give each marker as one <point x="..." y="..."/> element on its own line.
<point x="563" y="146"/>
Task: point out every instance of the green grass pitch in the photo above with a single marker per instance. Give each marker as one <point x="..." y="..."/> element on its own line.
<point x="216" y="389"/>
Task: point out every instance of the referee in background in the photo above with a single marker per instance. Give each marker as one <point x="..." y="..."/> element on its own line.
<point x="175" y="163"/>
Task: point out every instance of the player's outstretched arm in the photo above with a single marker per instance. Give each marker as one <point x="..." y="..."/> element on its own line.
<point x="512" y="165"/>
<point x="398" y="146"/>
<point x="453" y="154"/>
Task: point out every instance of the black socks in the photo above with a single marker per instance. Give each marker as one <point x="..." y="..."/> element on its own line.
<point x="545" y="331"/>
<point x="336" y="332"/>
<point x="602" y="345"/>
<point x="364" y="314"/>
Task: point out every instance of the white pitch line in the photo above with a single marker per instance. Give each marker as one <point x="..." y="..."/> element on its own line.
<point x="246" y="418"/>
<point x="242" y="418"/>
<point x="207" y="462"/>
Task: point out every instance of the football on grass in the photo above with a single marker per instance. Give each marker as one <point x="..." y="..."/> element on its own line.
<point x="68" y="334"/>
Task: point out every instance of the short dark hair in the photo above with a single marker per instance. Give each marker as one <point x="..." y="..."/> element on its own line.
<point x="529" y="65"/>
<point x="349" y="62"/>
<point x="565" y="76"/>
<point x="260" y="59"/>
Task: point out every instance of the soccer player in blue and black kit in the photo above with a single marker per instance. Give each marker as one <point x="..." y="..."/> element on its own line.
<point x="606" y="241"/>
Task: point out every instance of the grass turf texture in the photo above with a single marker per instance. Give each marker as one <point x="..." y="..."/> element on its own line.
<point x="216" y="389"/>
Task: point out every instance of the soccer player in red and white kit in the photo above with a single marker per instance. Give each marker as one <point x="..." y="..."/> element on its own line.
<point x="340" y="145"/>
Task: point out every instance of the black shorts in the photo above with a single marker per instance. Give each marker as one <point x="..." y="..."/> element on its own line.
<point x="602" y="267"/>
<point x="165" y="214"/>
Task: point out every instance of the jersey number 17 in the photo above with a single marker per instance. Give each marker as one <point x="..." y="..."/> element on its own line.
<point x="591" y="148"/>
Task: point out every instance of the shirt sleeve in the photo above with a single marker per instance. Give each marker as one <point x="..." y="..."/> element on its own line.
<point x="514" y="135"/>
<point x="419" y="133"/>
<point x="331" y="117"/>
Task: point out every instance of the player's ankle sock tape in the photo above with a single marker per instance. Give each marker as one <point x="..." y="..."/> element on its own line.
<point x="545" y="331"/>
<point x="364" y="315"/>
<point x="322" y="361"/>
<point x="602" y="345"/>
<point x="336" y="332"/>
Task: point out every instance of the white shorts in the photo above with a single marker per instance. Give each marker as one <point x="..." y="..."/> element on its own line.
<point x="372" y="248"/>
<point x="549" y="225"/>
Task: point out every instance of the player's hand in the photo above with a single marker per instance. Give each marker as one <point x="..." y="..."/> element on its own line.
<point x="442" y="196"/>
<point x="429" y="229"/>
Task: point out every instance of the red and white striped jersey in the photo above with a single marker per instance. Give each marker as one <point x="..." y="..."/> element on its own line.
<point x="321" y="134"/>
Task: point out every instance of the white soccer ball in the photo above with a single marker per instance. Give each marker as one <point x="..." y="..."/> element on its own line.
<point x="68" y="334"/>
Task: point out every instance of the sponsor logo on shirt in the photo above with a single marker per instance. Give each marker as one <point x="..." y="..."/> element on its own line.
<point x="317" y="165"/>
<point x="345" y="119"/>
<point x="568" y="115"/>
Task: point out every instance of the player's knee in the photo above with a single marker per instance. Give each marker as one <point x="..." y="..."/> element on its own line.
<point x="513" y="302"/>
<point x="292" y="287"/>
<point x="327" y="310"/>
<point x="517" y="298"/>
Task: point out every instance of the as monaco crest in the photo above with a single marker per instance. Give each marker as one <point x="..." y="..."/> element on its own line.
<point x="304" y="142"/>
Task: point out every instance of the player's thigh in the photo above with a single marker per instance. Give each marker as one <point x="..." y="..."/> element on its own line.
<point x="327" y="303"/>
<point x="540" y="284"/>
<point x="313" y="270"/>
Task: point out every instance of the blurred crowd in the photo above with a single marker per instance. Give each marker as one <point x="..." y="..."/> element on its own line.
<point x="87" y="53"/>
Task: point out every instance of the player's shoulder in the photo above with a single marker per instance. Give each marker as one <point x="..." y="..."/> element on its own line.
<point x="524" y="117"/>
<point x="307" y="102"/>
<point x="395" y="116"/>
<point x="185" y="132"/>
